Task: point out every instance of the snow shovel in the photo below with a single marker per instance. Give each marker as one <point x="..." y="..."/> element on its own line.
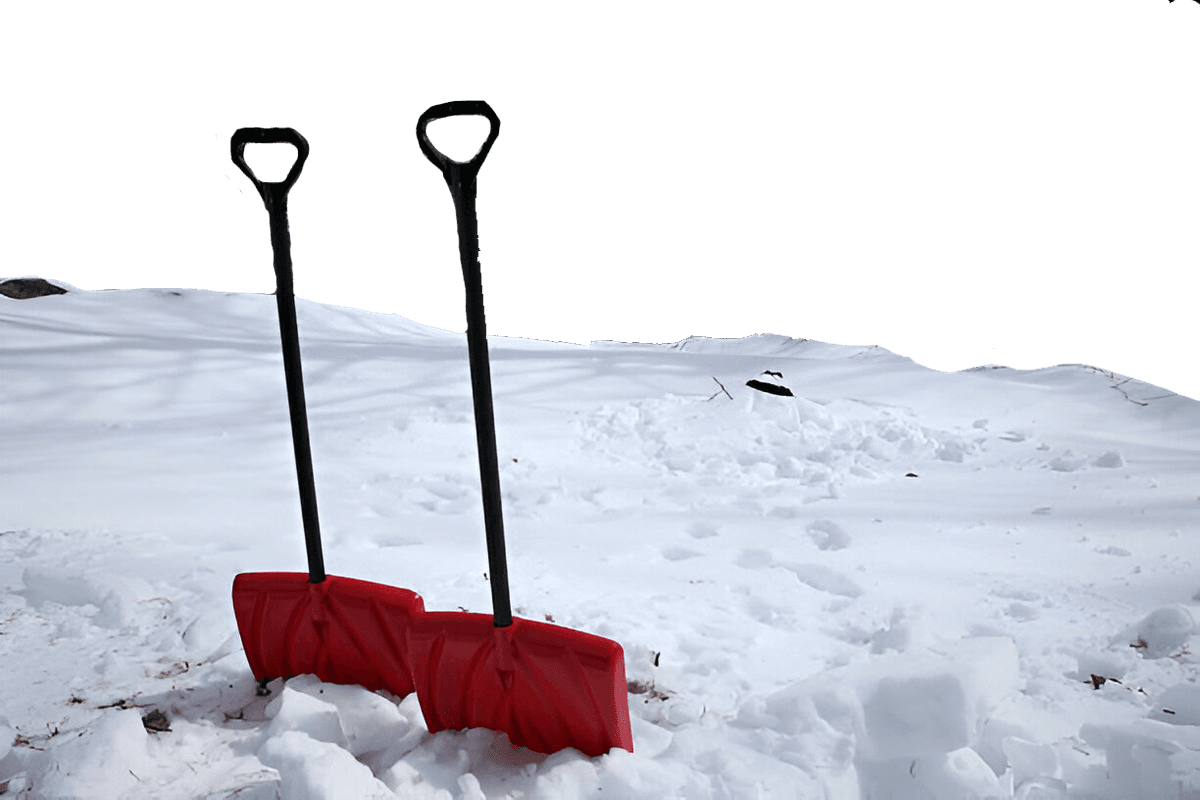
<point x="292" y="623"/>
<point x="547" y="687"/>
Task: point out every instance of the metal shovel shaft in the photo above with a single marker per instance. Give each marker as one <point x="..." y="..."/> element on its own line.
<point x="274" y="196"/>
<point x="460" y="177"/>
<point x="285" y="301"/>
<point x="481" y="394"/>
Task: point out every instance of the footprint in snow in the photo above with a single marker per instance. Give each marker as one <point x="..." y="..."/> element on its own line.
<point x="1021" y="612"/>
<point x="828" y="535"/>
<point x="816" y="576"/>
<point x="824" y="579"/>
<point x="754" y="559"/>
<point x="702" y="530"/>
<point x="679" y="553"/>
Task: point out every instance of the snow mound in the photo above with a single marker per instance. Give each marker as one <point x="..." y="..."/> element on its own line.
<point x="1160" y="633"/>
<point x="897" y="712"/>
<point x="107" y="759"/>
<point x="119" y="599"/>
<point x="767" y="439"/>
<point x="759" y="344"/>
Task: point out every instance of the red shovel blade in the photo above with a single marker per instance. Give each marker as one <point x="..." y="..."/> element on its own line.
<point x="342" y="630"/>
<point x="547" y="687"/>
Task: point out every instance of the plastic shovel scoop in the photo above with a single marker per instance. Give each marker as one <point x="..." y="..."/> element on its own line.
<point x="547" y="687"/>
<point x="292" y="623"/>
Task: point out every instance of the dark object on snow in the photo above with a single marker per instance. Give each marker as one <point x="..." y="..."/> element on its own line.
<point x="770" y="388"/>
<point x="911" y="475"/>
<point x="27" y="288"/>
<point x="156" y="722"/>
<point x="547" y="687"/>
<point x="778" y="375"/>
<point x="340" y="629"/>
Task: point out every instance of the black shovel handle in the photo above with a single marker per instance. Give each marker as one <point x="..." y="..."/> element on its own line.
<point x="245" y="136"/>
<point x="457" y="108"/>
<point x="274" y="196"/>
<point x="460" y="177"/>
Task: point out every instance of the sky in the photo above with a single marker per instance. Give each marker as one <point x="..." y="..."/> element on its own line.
<point x="961" y="183"/>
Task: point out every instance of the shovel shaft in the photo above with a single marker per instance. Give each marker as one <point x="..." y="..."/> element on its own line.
<point x="460" y="177"/>
<point x="481" y="395"/>
<point x="274" y="196"/>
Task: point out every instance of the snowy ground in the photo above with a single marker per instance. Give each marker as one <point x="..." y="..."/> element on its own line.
<point x="899" y="583"/>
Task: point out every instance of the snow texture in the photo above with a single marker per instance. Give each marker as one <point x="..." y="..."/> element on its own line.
<point x="898" y="583"/>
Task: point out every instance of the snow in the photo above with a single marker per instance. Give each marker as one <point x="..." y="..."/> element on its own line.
<point x="898" y="583"/>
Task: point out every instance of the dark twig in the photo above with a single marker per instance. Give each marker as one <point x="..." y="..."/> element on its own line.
<point x="726" y="391"/>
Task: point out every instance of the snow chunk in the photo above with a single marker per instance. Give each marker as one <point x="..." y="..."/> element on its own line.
<point x="370" y="722"/>
<point x="567" y="773"/>
<point x="54" y="586"/>
<point x="1162" y="632"/>
<point x="116" y="598"/>
<point x="1029" y="760"/>
<point x="900" y="706"/>
<point x="1179" y="705"/>
<point x="297" y="711"/>
<point x="926" y="704"/>
<point x="108" y="758"/>
<point x="955" y="775"/>
<point x="1148" y="759"/>
<point x="824" y="579"/>
<point x="1067" y="463"/>
<point x="316" y="770"/>
<point x="901" y="634"/>
<point x="1110" y="460"/>
<point x="1111" y="664"/>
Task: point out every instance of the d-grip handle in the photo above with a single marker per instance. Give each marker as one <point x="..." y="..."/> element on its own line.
<point x="457" y="108"/>
<point x="244" y="136"/>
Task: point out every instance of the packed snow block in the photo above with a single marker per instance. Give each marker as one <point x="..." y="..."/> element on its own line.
<point x="898" y="705"/>
<point x="54" y="586"/>
<point x="297" y="711"/>
<point x="29" y="288"/>
<point x="116" y="598"/>
<point x="107" y="759"/>
<point x="1107" y="664"/>
<point x="1147" y="759"/>
<point x="1030" y="760"/>
<point x="1179" y="705"/>
<point x="928" y="703"/>
<point x="370" y="722"/>
<point x="1160" y="633"/>
<point x="957" y="775"/>
<point x="314" y="770"/>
